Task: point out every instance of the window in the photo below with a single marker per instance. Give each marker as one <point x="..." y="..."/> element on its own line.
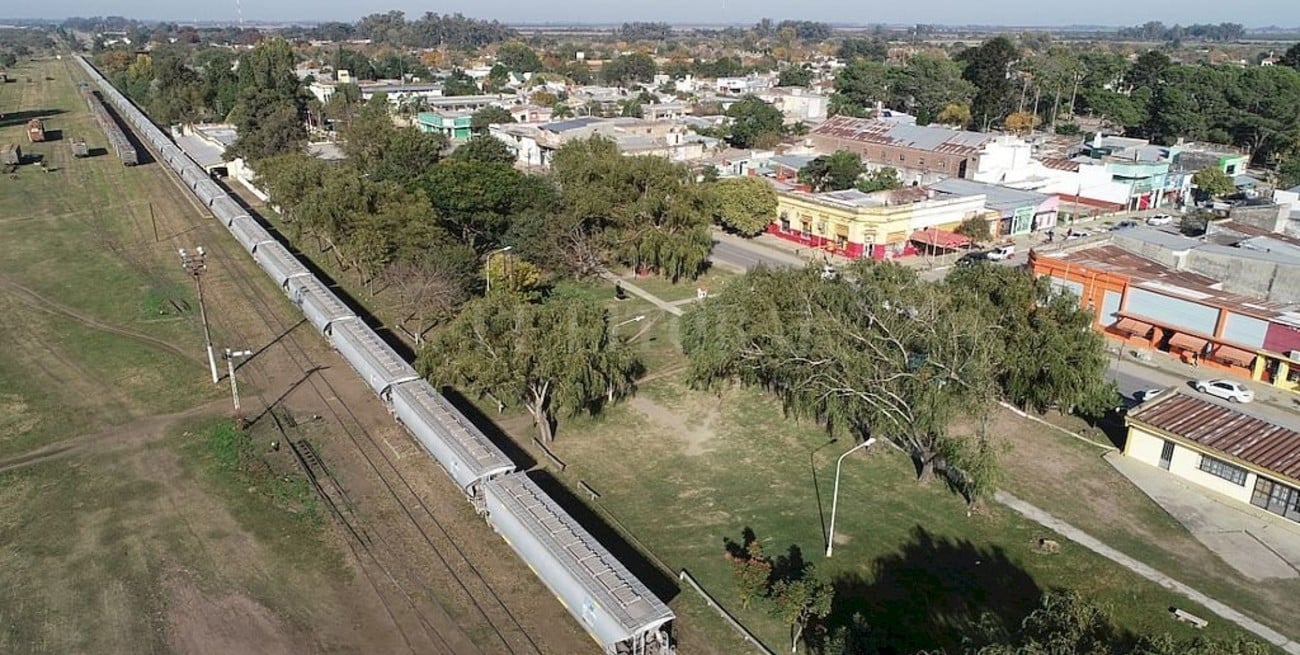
<point x="1277" y="498"/>
<point x="1222" y="469"/>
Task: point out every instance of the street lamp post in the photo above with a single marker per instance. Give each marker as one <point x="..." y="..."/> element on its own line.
<point x="835" y="497"/>
<point x="230" y="356"/>
<point x="488" y="265"/>
<point x="195" y="263"/>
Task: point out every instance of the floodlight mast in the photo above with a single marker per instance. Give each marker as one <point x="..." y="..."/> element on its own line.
<point x="195" y="264"/>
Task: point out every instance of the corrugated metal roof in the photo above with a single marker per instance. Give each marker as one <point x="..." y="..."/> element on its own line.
<point x="619" y="592"/>
<point x="1248" y="438"/>
<point x="933" y="139"/>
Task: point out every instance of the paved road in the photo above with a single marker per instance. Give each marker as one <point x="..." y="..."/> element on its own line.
<point x="1131" y="376"/>
<point x="745" y="255"/>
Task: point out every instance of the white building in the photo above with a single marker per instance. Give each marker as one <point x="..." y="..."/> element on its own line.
<point x="797" y="104"/>
<point x="1222" y="449"/>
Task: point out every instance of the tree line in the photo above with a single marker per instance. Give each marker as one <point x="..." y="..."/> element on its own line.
<point x="1158" y="31"/>
<point x="431" y="30"/>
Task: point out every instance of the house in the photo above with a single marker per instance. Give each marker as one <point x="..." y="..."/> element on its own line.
<point x="1148" y="304"/>
<point x="455" y="125"/>
<point x="663" y="111"/>
<point x="1019" y="211"/>
<point x="1192" y="157"/>
<point x="535" y="144"/>
<point x="753" y="83"/>
<point x="1223" y="449"/>
<point x="797" y="104"/>
<point x="920" y="154"/>
<point x="1147" y="170"/>
<point x="531" y="113"/>
<point x="880" y="225"/>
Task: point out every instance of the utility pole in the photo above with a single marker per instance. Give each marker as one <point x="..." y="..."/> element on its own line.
<point x="195" y="263"/>
<point x="230" y="356"/>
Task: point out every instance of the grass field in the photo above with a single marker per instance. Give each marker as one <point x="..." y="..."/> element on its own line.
<point x="132" y="520"/>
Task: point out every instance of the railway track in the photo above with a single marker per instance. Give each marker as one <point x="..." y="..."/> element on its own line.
<point x="425" y="625"/>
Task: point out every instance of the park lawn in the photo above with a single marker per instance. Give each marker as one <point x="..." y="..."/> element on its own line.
<point x="908" y="558"/>
<point x="1120" y="514"/>
<point x="712" y="280"/>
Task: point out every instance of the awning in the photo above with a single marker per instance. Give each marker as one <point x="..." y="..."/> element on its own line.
<point x="1234" y="355"/>
<point x="1188" y="342"/>
<point x="1133" y="326"/>
<point x="933" y="236"/>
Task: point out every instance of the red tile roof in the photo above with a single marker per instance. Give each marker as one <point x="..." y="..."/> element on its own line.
<point x="933" y="236"/>
<point x="1245" y="437"/>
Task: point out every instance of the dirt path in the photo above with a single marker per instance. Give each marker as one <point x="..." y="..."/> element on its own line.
<point x="37" y="301"/>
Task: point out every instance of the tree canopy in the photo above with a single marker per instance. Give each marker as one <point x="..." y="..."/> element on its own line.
<point x="987" y="66"/>
<point x="744" y="205"/>
<point x="268" y="111"/>
<point x="555" y="358"/>
<point x="834" y="172"/>
<point x="1213" y="182"/>
<point x="754" y="124"/>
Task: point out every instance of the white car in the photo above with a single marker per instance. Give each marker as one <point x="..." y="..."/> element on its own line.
<point x="1001" y="252"/>
<point x="1160" y="219"/>
<point x="1147" y="394"/>
<point x="1227" y="389"/>
<point x="1078" y="234"/>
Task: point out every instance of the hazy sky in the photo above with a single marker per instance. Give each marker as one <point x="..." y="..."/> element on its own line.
<point x="1003" y="12"/>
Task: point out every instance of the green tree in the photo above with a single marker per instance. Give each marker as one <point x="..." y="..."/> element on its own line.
<point x="800" y="602"/>
<point x="976" y="229"/>
<point x="491" y="115"/>
<point x="874" y="49"/>
<point x="795" y="76"/>
<point x="268" y="112"/>
<point x="484" y="149"/>
<point x="554" y="358"/>
<point x="754" y="124"/>
<point x="859" y="86"/>
<point x="1290" y="58"/>
<point x="509" y="273"/>
<point x="1213" y="182"/>
<point x="954" y="114"/>
<point x="379" y="148"/>
<point x="518" y="58"/>
<point x="744" y="205"/>
<point x="1288" y="172"/>
<point x="926" y="85"/>
<point x="987" y="66"/>
<point x="459" y="83"/>
<point x="477" y="200"/>
<point x="8" y="59"/>
<point x="886" y="355"/>
<point x="752" y="571"/>
<point x="834" y="172"/>
<point x="881" y="179"/>
<point x="626" y="70"/>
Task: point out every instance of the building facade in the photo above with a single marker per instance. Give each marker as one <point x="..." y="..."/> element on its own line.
<point x="455" y="125"/>
<point x="1019" y="211"/>
<point x="878" y="225"/>
<point x="1219" y="448"/>
<point x="1141" y="302"/>
<point x="920" y="154"/>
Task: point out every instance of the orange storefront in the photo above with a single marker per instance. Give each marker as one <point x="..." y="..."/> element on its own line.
<point x="1140" y="302"/>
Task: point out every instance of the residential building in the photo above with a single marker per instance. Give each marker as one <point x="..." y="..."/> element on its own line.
<point x="535" y="144"/>
<point x="753" y="83"/>
<point x="1144" y="168"/>
<point x="455" y="125"/>
<point x="531" y="113"/>
<point x="1150" y="305"/>
<point x="797" y="104"/>
<point x="921" y="154"/>
<point x="1223" y="449"/>
<point x="663" y="111"/>
<point x="1019" y="211"/>
<point x="880" y="225"/>
<point x="734" y="162"/>
<point x="1192" y="157"/>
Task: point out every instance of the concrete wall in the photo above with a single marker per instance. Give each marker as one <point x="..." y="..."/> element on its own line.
<point x="1265" y="217"/>
<point x="1250" y="277"/>
<point x="1145" y="447"/>
<point x="1153" y="251"/>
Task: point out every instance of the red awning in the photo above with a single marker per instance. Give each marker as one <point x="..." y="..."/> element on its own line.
<point x="1188" y="342"/>
<point x="1234" y="355"/>
<point x="933" y="236"/>
<point x="1133" y="326"/>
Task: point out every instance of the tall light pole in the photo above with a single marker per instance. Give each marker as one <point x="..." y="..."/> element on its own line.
<point x="835" y="497"/>
<point x="195" y="263"/>
<point x="488" y="265"/>
<point x="230" y="356"/>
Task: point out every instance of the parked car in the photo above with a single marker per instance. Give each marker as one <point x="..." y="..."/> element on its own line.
<point x="1001" y="252"/>
<point x="972" y="258"/>
<point x="1160" y="219"/>
<point x="1124" y="225"/>
<point x="829" y="272"/>
<point x="1227" y="389"/>
<point x="1077" y="234"/>
<point x="1147" y="394"/>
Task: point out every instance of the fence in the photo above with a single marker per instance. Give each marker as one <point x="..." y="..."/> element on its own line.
<point x="739" y="627"/>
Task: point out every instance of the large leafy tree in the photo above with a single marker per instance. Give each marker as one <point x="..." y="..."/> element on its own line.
<point x="384" y="151"/>
<point x="491" y="115"/>
<point x="1049" y="354"/>
<point x="881" y="179"/>
<point x="555" y="358"/>
<point x="800" y="602"/>
<point x="518" y="58"/>
<point x="834" y="172"/>
<point x="484" y="149"/>
<point x="925" y="85"/>
<point x="885" y="354"/>
<point x="754" y="123"/>
<point x="987" y="66"/>
<point x="859" y="86"/>
<point x="744" y="205"/>
<point x="1213" y="182"/>
<point x="477" y="200"/>
<point x="626" y="70"/>
<point x="645" y="212"/>
<point x="269" y="110"/>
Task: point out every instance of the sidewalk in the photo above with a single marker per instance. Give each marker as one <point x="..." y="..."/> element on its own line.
<point x="1172" y="372"/>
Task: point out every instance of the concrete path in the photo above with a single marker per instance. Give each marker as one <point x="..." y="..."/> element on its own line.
<point x="638" y="291"/>
<point x="1091" y="543"/>
<point x="1258" y="544"/>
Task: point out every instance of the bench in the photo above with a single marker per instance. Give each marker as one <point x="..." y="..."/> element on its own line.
<point x="1188" y="617"/>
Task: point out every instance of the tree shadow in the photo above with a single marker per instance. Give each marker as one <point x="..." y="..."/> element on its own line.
<point x="932" y="593"/>
<point x="22" y="117"/>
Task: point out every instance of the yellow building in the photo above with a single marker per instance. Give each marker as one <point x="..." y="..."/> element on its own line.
<point x="879" y="225"/>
